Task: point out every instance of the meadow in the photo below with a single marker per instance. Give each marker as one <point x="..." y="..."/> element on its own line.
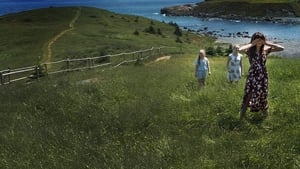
<point x="149" y="115"/>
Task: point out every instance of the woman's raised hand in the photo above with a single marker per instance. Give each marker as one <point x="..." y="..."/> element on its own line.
<point x="258" y="41"/>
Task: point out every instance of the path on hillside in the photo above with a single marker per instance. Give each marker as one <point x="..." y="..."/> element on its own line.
<point x="48" y="54"/>
<point x="162" y="58"/>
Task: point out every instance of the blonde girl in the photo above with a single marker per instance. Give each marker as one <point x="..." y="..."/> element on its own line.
<point x="202" y="68"/>
<point x="234" y="65"/>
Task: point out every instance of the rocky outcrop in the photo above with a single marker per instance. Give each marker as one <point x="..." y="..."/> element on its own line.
<point x="182" y="10"/>
<point x="270" y="12"/>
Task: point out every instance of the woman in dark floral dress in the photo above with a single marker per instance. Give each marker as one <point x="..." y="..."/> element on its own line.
<point x="256" y="88"/>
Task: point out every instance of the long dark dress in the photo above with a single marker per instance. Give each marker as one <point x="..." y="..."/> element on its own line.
<point x="256" y="89"/>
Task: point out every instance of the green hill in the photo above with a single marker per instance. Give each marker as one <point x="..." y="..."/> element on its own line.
<point x="26" y="36"/>
<point x="147" y="116"/>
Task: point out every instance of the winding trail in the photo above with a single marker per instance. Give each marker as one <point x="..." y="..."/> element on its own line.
<point x="48" y="54"/>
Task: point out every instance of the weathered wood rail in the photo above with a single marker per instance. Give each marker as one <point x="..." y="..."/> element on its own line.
<point x="67" y="65"/>
<point x="12" y="75"/>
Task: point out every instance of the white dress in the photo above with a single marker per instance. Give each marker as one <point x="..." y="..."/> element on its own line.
<point x="235" y="71"/>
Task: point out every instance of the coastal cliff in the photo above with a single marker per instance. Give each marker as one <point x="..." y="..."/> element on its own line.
<point x="239" y="10"/>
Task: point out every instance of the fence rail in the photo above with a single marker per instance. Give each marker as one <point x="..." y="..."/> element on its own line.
<point x="12" y="75"/>
<point x="67" y="65"/>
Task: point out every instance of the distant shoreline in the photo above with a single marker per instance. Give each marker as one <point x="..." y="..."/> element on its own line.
<point x="291" y="48"/>
<point x="286" y="13"/>
<point x="273" y="13"/>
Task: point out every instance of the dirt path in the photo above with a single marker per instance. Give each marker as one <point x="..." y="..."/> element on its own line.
<point x="48" y="54"/>
<point x="163" y="58"/>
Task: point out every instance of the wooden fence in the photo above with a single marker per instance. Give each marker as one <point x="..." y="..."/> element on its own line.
<point x="35" y="72"/>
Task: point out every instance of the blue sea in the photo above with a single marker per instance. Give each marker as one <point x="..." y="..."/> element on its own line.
<point x="286" y="34"/>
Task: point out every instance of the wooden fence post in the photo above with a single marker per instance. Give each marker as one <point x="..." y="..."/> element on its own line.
<point x="8" y="71"/>
<point x="46" y="68"/>
<point x="152" y="52"/>
<point x="37" y="72"/>
<point x="2" y="80"/>
<point x="159" y="51"/>
<point x="90" y="63"/>
<point x="68" y="64"/>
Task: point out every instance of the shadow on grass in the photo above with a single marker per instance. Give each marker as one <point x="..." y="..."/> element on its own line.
<point x="256" y="118"/>
<point x="228" y="122"/>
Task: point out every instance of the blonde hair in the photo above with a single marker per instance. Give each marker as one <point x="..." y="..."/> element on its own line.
<point x="202" y="52"/>
<point x="235" y="46"/>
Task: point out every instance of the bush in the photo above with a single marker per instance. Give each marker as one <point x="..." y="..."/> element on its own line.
<point x="150" y="29"/>
<point x="178" y="40"/>
<point x="219" y="51"/>
<point x="177" y="31"/>
<point x="228" y="50"/>
<point x="136" y="19"/>
<point x="159" y="32"/>
<point x="210" y="51"/>
<point x="136" y="32"/>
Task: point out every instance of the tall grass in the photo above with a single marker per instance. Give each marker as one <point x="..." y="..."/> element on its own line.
<point x="150" y="116"/>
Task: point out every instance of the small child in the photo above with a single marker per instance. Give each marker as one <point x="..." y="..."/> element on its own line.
<point x="234" y="65"/>
<point x="202" y="68"/>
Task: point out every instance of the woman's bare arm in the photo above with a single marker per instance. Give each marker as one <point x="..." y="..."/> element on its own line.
<point x="274" y="47"/>
<point x="244" y="48"/>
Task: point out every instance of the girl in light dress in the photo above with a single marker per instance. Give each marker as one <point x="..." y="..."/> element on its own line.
<point x="202" y="68"/>
<point x="234" y="65"/>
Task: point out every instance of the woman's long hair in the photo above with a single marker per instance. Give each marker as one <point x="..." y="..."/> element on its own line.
<point x="252" y="50"/>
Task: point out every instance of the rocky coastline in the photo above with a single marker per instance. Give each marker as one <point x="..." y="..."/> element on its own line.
<point x="237" y="12"/>
<point x="279" y="13"/>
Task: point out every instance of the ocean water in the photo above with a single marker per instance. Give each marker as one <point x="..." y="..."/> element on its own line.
<point x="286" y="34"/>
<point x="136" y="7"/>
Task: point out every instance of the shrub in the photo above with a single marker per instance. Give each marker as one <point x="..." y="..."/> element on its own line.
<point x="150" y="29"/>
<point x="136" y="32"/>
<point x="228" y="50"/>
<point x="219" y="51"/>
<point x="136" y="19"/>
<point x="159" y="32"/>
<point x="177" y="31"/>
<point x="210" y="51"/>
<point x="178" y="40"/>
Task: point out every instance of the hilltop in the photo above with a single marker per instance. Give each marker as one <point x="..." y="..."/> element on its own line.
<point x="271" y="11"/>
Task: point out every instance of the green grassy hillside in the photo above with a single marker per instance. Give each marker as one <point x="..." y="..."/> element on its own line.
<point x="151" y="116"/>
<point x="26" y="36"/>
<point x="147" y="116"/>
